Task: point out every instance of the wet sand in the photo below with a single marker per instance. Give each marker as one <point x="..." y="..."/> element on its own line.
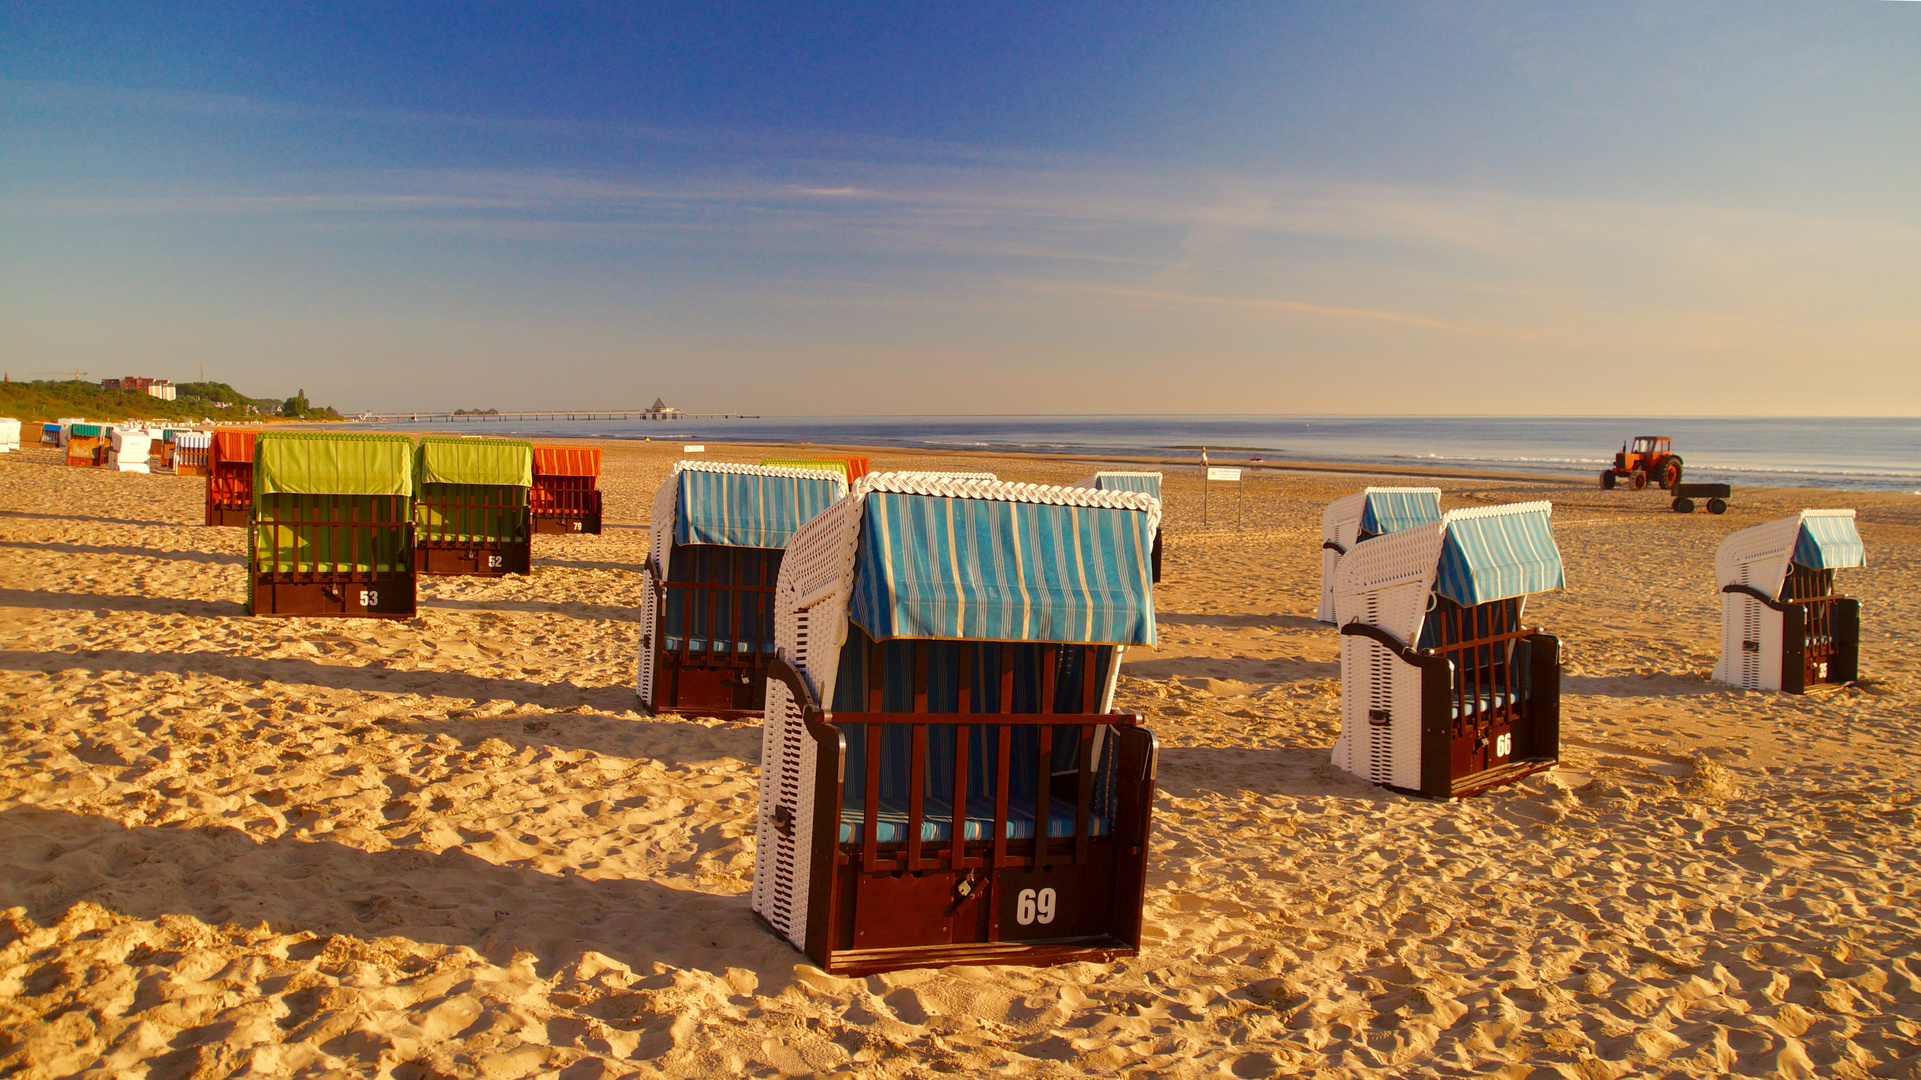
<point x="452" y="846"/>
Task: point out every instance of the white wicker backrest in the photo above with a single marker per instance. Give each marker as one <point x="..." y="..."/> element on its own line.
<point x="1758" y="556"/>
<point x="1385" y="581"/>
<point x="941" y="475"/>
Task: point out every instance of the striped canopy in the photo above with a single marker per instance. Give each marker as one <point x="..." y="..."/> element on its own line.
<point x="931" y="566"/>
<point x="1392" y="511"/>
<point x="1495" y="556"/>
<point x="746" y="509"/>
<point x="566" y="461"/>
<point x="1828" y="541"/>
<point x="1147" y="483"/>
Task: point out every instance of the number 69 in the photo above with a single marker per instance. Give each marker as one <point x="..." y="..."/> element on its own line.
<point x="1031" y="907"/>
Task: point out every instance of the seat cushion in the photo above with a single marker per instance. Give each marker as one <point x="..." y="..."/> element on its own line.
<point x="937" y="817"/>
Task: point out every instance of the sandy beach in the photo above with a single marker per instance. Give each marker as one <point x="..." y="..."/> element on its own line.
<point x="452" y="846"/>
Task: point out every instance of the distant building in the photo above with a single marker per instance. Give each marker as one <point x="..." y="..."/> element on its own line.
<point x="661" y="408"/>
<point x="160" y="388"/>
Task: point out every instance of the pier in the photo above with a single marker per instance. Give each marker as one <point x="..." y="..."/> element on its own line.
<point x="456" y="417"/>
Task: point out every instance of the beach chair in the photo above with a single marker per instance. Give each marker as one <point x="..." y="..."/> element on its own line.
<point x="191" y="453"/>
<point x="942" y="780"/>
<point x="1783" y="627"/>
<point x="470" y="507"/>
<point x="230" y="478"/>
<point x="566" y="494"/>
<point x="9" y="434"/>
<point x="707" y="622"/>
<point x="1372" y="512"/>
<point x="129" y="450"/>
<point x="51" y="434"/>
<point x="851" y="467"/>
<point x="332" y="528"/>
<point x="65" y="424"/>
<point x="1147" y="483"/>
<point x="1444" y="691"/>
<point x="86" y="444"/>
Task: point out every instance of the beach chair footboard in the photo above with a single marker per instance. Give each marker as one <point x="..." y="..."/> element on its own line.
<point x="1055" y="881"/>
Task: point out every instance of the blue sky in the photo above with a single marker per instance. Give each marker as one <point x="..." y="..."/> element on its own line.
<point x="897" y="208"/>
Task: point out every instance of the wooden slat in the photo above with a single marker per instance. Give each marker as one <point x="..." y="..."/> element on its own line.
<point x="1084" y="794"/>
<point x="916" y="794"/>
<point x="1043" y="811"/>
<point x="870" y="834"/>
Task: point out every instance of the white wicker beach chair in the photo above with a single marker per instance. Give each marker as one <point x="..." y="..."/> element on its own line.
<point x="9" y="434"/>
<point x="713" y="558"/>
<point x="1783" y="627"/>
<point x="129" y="450"/>
<point x="948" y="651"/>
<point x="1372" y="512"/>
<point x="1444" y="692"/>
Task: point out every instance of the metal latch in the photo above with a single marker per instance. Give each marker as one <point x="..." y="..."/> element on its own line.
<point x="784" y="821"/>
<point x="1379" y="717"/>
<point x="1750" y="646"/>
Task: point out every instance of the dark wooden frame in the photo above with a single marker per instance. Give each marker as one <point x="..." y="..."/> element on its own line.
<point x="96" y="447"/>
<point x="937" y="903"/>
<point x="1531" y="717"/>
<point x="706" y="682"/>
<point x="468" y="557"/>
<point x="565" y="504"/>
<point x="1820" y="630"/>
<point x="229" y="492"/>
<point x="379" y="594"/>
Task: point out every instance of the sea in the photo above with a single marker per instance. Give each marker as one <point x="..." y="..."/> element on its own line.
<point x="1873" y="454"/>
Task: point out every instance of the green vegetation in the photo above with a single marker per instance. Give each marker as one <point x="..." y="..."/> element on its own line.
<point x="42" y="400"/>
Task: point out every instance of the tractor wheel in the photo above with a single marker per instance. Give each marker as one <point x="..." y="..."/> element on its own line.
<point x="1684" y="506"/>
<point x="1639" y="480"/>
<point x="1607" y="480"/>
<point x="1671" y="473"/>
<point x="1717" y="506"/>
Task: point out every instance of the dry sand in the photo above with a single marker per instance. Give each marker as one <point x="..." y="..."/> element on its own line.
<point x="451" y="847"/>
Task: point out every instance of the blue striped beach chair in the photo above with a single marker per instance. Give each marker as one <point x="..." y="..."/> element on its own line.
<point x="1372" y="512"/>
<point x="707" y="620"/>
<point x="943" y="779"/>
<point x="1783" y="627"/>
<point x="1444" y="691"/>
<point x="1147" y="483"/>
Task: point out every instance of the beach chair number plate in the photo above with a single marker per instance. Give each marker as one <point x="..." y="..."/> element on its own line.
<point x="1034" y="906"/>
<point x="1503" y="744"/>
<point x="369" y="598"/>
<point x="494" y="562"/>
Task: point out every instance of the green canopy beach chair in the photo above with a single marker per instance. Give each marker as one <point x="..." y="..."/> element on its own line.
<point x="331" y="531"/>
<point x="471" y="514"/>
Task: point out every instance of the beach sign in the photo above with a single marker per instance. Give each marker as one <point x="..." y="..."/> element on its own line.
<point x="694" y="448"/>
<point x="1226" y="474"/>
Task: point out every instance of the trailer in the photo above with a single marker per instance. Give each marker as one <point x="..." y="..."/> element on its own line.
<point x="1716" y="496"/>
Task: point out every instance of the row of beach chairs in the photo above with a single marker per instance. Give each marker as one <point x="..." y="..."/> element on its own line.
<point x="1447" y="691"/>
<point x="342" y="524"/>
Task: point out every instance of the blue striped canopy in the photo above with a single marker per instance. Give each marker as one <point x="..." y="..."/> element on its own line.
<point x="1829" y="542"/>
<point x="1392" y="511"/>
<point x="1145" y="483"/>
<point x="747" y="509"/>
<point x="1484" y="559"/>
<point x="929" y="566"/>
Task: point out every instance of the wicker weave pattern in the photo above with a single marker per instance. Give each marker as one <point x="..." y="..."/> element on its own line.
<point x="960" y="486"/>
<point x="1400" y="567"/>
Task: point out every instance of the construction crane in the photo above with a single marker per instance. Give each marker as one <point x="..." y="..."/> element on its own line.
<point x="72" y="373"/>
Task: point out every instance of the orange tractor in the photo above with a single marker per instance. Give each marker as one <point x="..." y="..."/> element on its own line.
<point x="1648" y="457"/>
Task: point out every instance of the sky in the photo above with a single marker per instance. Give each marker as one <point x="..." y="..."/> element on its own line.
<point x="896" y="208"/>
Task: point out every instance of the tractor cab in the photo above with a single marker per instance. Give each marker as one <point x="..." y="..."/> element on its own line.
<point x="1650" y="444"/>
